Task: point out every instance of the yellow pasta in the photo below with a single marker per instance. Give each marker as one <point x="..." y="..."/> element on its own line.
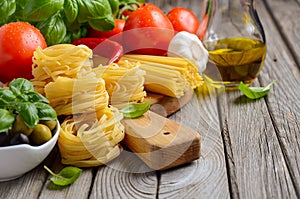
<point x="171" y="76"/>
<point x="76" y="96"/>
<point x="65" y="60"/>
<point x="91" y="133"/>
<point x="91" y="140"/>
<point x="124" y="82"/>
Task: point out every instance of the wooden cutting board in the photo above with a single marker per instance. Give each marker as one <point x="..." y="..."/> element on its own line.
<point x="160" y="142"/>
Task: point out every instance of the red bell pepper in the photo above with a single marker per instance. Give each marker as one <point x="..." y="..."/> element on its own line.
<point x="103" y="47"/>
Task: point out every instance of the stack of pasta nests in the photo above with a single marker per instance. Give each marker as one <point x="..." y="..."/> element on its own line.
<point x="88" y="98"/>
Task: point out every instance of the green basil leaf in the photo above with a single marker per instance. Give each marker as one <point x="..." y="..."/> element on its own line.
<point x="21" y="85"/>
<point x="66" y="176"/>
<point x="102" y="23"/>
<point x="114" y="4"/>
<point x="7" y="8"/>
<point x="5" y="105"/>
<point x="255" y="92"/>
<point x="28" y="113"/>
<point x="37" y="10"/>
<point x="6" y="120"/>
<point x="97" y="13"/>
<point x="7" y="95"/>
<point x="36" y="97"/>
<point x="53" y="29"/>
<point x="135" y="110"/>
<point x="45" y="111"/>
<point x="83" y="10"/>
<point x="71" y="10"/>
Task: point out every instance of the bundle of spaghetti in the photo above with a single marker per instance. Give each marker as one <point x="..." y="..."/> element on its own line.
<point x="77" y="95"/>
<point x="89" y="140"/>
<point x="179" y="71"/>
<point x="65" y="60"/>
<point x="124" y="82"/>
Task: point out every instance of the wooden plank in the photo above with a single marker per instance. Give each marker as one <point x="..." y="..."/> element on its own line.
<point x="160" y="142"/>
<point x="262" y="136"/>
<point x="125" y="177"/>
<point x="79" y="189"/>
<point x="287" y="16"/>
<point x="207" y="176"/>
<point x="284" y="107"/>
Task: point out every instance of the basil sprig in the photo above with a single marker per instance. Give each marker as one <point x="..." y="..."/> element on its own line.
<point x="66" y="176"/>
<point x="20" y="98"/>
<point x="135" y="110"/>
<point x="255" y="92"/>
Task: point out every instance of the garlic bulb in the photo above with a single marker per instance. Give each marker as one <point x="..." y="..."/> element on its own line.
<point x="188" y="45"/>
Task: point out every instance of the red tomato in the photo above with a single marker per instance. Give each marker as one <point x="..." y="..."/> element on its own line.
<point x="18" y="41"/>
<point x="114" y="34"/>
<point x="183" y="19"/>
<point x="147" y="31"/>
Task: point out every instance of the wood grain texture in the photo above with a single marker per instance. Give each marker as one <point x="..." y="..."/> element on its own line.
<point x="160" y="142"/>
<point x="257" y="132"/>
<point x="206" y="177"/>
<point x="287" y="18"/>
<point x="79" y="189"/>
<point x="125" y="177"/>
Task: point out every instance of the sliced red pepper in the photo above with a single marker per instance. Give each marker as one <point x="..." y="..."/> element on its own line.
<point x="103" y="47"/>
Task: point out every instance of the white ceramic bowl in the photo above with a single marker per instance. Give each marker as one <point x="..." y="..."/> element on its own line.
<point x="19" y="159"/>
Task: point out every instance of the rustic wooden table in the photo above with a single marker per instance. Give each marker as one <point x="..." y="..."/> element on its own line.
<point x="256" y="154"/>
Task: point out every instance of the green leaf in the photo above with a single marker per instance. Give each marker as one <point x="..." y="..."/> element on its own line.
<point x="28" y="113"/>
<point x="37" y="10"/>
<point x="21" y="85"/>
<point x="255" y="92"/>
<point x="6" y="120"/>
<point x="66" y="176"/>
<point x="7" y="8"/>
<point x="114" y="4"/>
<point x="71" y="10"/>
<point x="7" y="95"/>
<point x="53" y="29"/>
<point x="97" y="13"/>
<point x="135" y="110"/>
<point x="45" y="111"/>
<point x="36" y="97"/>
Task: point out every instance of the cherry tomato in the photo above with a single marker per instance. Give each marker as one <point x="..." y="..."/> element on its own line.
<point x="183" y="19"/>
<point x="147" y="31"/>
<point x="18" y="41"/>
<point x="114" y="34"/>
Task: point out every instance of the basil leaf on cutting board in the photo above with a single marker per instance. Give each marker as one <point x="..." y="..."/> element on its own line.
<point x="135" y="110"/>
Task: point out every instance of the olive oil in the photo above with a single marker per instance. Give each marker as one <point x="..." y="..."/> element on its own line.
<point x="233" y="60"/>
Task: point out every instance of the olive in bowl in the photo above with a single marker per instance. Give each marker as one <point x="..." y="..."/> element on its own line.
<point x="16" y="160"/>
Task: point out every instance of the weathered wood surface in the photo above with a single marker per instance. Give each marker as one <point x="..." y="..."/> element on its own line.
<point x="262" y="137"/>
<point x="256" y="155"/>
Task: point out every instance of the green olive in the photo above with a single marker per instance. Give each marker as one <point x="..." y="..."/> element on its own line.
<point x="40" y="134"/>
<point x="50" y="123"/>
<point x="19" y="126"/>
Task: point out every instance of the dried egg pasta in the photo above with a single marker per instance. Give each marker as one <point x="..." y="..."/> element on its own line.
<point x="124" y="82"/>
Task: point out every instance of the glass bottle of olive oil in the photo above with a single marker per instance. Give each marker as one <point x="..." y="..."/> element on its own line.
<point x="235" y="41"/>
